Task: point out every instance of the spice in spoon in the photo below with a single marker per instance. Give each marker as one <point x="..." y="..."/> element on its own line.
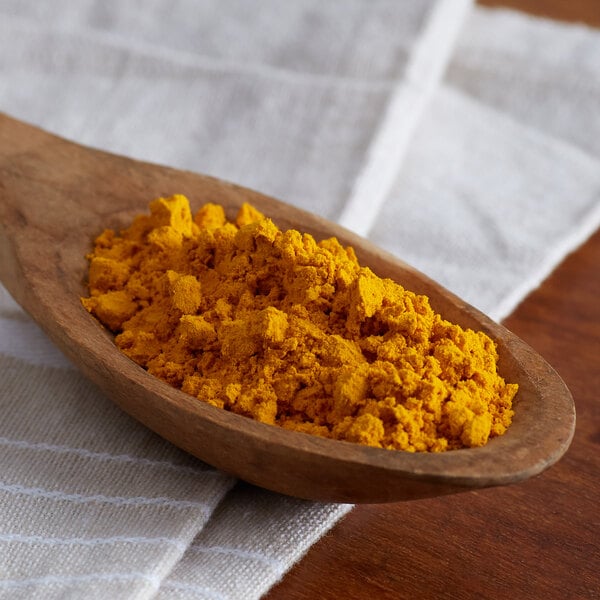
<point x="289" y="331"/>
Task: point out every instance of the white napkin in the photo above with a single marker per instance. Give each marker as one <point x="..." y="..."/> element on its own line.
<point x="503" y="177"/>
<point x="484" y="181"/>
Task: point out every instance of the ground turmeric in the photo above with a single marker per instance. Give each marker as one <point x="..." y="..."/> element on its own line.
<point x="276" y="326"/>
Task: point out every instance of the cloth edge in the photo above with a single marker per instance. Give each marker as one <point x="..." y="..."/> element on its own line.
<point x="405" y="108"/>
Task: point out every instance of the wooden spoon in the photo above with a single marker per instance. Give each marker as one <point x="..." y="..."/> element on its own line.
<point x="56" y="196"/>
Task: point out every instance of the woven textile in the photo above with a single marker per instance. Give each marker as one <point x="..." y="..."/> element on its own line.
<point x="464" y="140"/>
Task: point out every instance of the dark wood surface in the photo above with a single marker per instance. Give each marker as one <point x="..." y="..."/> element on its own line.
<point x="573" y="11"/>
<point x="535" y="540"/>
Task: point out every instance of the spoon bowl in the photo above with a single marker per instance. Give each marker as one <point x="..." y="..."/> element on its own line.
<point x="57" y="196"/>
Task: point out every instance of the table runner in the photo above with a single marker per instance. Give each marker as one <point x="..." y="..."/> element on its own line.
<point x="442" y="132"/>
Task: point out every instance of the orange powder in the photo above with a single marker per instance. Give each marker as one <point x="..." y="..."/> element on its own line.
<point x="293" y="332"/>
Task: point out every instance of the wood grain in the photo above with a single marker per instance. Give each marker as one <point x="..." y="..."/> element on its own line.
<point x="537" y="540"/>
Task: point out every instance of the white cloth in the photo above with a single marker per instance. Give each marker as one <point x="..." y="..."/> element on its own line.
<point x="503" y="178"/>
<point x="469" y="148"/>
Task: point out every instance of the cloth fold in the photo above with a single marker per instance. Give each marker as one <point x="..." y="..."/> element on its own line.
<point x="485" y="179"/>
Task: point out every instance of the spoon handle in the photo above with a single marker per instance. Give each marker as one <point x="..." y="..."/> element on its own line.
<point x="33" y="215"/>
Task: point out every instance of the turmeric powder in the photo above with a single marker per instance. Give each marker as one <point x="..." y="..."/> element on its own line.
<point x="276" y="326"/>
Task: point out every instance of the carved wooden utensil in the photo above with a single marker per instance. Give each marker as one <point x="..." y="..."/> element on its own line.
<point x="56" y="196"/>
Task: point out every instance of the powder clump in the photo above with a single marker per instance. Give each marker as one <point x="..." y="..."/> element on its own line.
<point x="291" y="331"/>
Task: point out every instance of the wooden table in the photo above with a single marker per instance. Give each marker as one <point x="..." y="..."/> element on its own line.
<point x="536" y="540"/>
